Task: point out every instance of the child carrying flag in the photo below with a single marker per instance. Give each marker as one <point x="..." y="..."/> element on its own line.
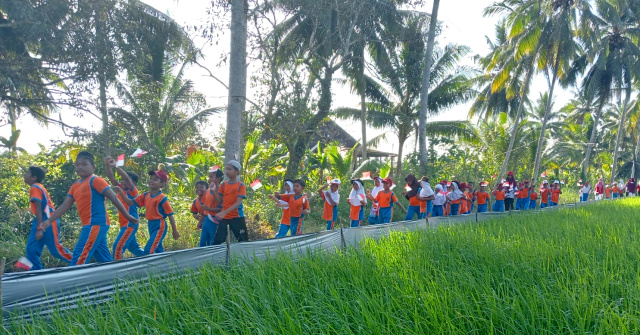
<point x="483" y="198"/>
<point x="331" y="200"/>
<point x="385" y="200"/>
<point x="373" y="214"/>
<point x="455" y="197"/>
<point x="533" y="199"/>
<point x="499" y="194"/>
<point x="158" y="210"/>
<point x="545" y="193"/>
<point x="298" y="205"/>
<point x="211" y="207"/>
<point x="285" y="221"/>
<point x="357" y="201"/>
<point x="126" y="239"/>
<point x="89" y="194"/>
<point x="523" y="196"/>
<point x="42" y="207"/>
<point x="439" y="199"/>
<point x="555" y="193"/>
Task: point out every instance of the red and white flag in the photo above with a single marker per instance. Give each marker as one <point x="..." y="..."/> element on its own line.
<point x="24" y="263"/>
<point x="544" y="174"/>
<point x="328" y="178"/>
<point x="366" y="175"/>
<point x="214" y="168"/>
<point x="494" y="176"/>
<point x="407" y="187"/>
<point x="138" y="153"/>
<point x="120" y="161"/>
<point x="256" y="184"/>
<point x="392" y="186"/>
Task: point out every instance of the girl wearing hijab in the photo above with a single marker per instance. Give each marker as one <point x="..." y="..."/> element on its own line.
<point x="455" y="197"/>
<point x="439" y="199"/>
<point x="285" y="222"/>
<point x="510" y="188"/>
<point x="412" y="196"/>
<point x="373" y="215"/>
<point x="584" y="192"/>
<point x="357" y="200"/>
<point x="426" y="197"/>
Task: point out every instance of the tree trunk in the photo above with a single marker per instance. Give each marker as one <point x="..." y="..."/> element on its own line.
<point x="547" y="111"/>
<point x="102" y="81"/>
<point x="516" y="125"/>
<point x="619" y="137"/>
<point x="424" y="94"/>
<point x="592" y="139"/>
<point x="237" y="80"/>
<point x="401" y="140"/>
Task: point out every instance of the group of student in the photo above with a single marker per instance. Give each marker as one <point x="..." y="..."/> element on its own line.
<point x="218" y="206"/>
<point x="608" y="191"/>
<point x="446" y="198"/>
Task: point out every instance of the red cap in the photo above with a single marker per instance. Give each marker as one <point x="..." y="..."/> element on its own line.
<point x="510" y="173"/>
<point x="160" y="174"/>
<point x="526" y="181"/>
<point x="463" y="186"/>
<point x="443" y="181"/>
<point x="388" y="180"/>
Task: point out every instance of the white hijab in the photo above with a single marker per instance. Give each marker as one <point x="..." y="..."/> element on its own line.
<point x="455" y="194"/>
<point x="426" y="190"/>
<point x="356" y="196"/>
<point x="376" y="189"/>
<point x="290" y="184"/>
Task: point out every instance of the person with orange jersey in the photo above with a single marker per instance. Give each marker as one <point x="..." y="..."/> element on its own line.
<point x="545" y="194"/>
<point x="555" y="193"/>
<point x="89" y="194"/>
<point x="331" y="200"/>
<point x="41" y="208"/>
<point x="210" y="207"/>
<point x="357" y="201"/>
<point x="385" y="199"/>
<point x="499" y="194"/>
<point x="482" y="198"/>
<point x="298" y="205"/>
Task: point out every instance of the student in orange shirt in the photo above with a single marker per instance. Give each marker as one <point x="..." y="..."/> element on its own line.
<point x="482" y="197"/>
<point x="499" y="193"/>
<point x="211" y="207"/>
<point x="426" y="196"/>
<point x="616" y="190"/>
<point x="533" y="199"/>
<point x="454" y="198"/>
<point x="555" y="193"/>
<point x="331" y="200"/>
<point x="89" y="194"/>
<point x="158" y="210"/>
<point x="357" y="200"/>
<point x="607" y="191"/>
<point x="298" y="205"/>
<point x="545" y="193"/>
<point x="523" y="196"/>
<point x="42" y="207"/>
<point x="196" y="206"/>
<point x="285" y="221"/>
<point x="385" y="200"/>
<point x="412" y="195"/>
<point x="231" y="194"/>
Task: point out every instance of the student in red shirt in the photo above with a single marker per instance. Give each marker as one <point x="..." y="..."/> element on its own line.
<point x="615" y="190"/>
<point x="545" y="193"/>
<point x="331" y="200"/>
<point x="126" y="239"/>
<point x="89" y="194"/>
<point x="298" y="205"/>
<point x="499" y="193"/>
<point x="533" y="197"/>
<point x="211" y="207"/>
<point x="555" y="193"/>
<point x="42" y="207"/>
<point x="483" y="198"/>
<point x="385" y="200"/>
<point x="285" y="221"/>
<point x="231" y="194"/>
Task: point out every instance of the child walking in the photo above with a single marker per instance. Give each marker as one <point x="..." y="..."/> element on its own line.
<point x="499" y="194"/>
<point x="555" y="193"/>
<point x="426" y="197"/>
<point x="357" y="201"/>
<point x="42" y="207"/>
<point x="385" y="199"/>
<point x="298" y="206"/>
<point x="158" y="210"/>
<point x="211" y="207"/>
<point x="439" y="199"/>
<point x="89" y="194"/>
<point x="483" y="198"/>
<point x="231" y="193"/>
<point x="196" y="206"/>
<point x="126" y="239"/>
<point x="373" y="214"/>
<point x="331" y="200"/>
<point x="285" y="221"/>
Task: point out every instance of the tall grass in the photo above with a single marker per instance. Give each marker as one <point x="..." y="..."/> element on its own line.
<point x="569" y="271"/>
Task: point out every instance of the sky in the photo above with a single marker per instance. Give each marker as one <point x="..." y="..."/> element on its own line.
<point x="463" y="24"/>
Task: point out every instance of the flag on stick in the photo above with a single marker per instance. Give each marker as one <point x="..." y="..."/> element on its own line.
<point x="407" y="187"/>
<point x="214" y="168"/>
<point x="544" y="174"/>
<point x="366" y="175"/>
<point x="120" y="161"/>
<point x="138" y="153"/>
<point x="256" y="184"/>
<point x="24" y="263"/>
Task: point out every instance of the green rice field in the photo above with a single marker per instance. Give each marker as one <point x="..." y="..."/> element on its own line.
<point x="571" y="271"/>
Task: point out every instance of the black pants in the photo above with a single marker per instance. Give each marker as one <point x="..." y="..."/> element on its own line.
<point x="238" y="227"/>
<point x="508" y="204"/>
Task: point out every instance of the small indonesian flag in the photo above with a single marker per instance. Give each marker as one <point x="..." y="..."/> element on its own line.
<point x="328" y="178"/>
<point x="256" y="184"/>
<point x="214" y="168"/>
<point x="407" y="187"/>
<point x="544" y="174"/>
<point x="562" y="182"/>
<point x="578" y="184"/>
<point x="120" y="161"/>
<point x="494" y="176"/>
<point x="580" y="180"/>
<point x="24" y="263"/>
<point x="392" y="186"/>
<point x="138" y="153"/>
<point x="366" y="175"/>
